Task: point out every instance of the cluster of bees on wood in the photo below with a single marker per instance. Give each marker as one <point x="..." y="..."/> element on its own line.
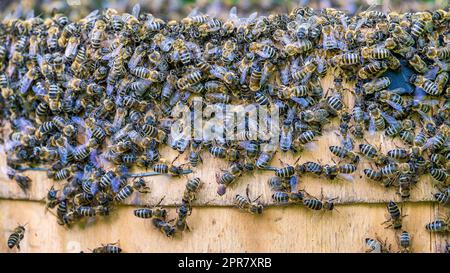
<point x="91" y="100"/>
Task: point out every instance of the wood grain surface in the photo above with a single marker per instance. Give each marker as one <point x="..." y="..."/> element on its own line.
<point x="287" y="229"/>
<point x="217" y="227"/>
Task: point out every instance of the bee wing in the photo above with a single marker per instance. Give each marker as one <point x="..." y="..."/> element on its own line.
<point x="115" y="184"/>
<point x="423" y="115"/>
<point x="91" y="16"/>
<point x="311" y="146"/>
<point x="399" y="91"/>
<point x="431" y="73"/>
<point x="303" y="102"/>
<point x="347" y="143"/>
<point x="110" y="56"/>
<point x="62" y="155"/>
<point x="251" y="18"/>
<point x="93" y="158"/>
<point x="22" y="124"/>
<point x="136" y="10"/>
<point x="293" y="182"/>
<point x="347" y="177"/>
<point x="391" y="120"/>
<point x="30" y="14"/>
<point x="79" y="121"/>
<point x="194" y="12"/>
<point x="91" y="220"/>
<point x="25" y="83"/>
<point x="371" y="126"/>
<point x="9" y="145"/>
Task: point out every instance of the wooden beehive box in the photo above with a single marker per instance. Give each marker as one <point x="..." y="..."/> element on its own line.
<point x="218" y="227"/>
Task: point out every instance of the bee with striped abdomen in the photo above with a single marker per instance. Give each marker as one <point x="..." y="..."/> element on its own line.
<point x="183" y="212"/>
<point x="228" y="177"/>
<point x="192" y="187"/>
<point x="247" y="204"/>
<point x="164" y="227"/>
<point x="376" y="246"/>
<point x="395" y="216"/>
<point x="372" y="69"/>
<point x="155" y="212"/>
<point x="377" y="53"/>
<point x="405" y="242"/>
<point x="282" y="197"/>
<point x="16" y="237"/>
<point x="332" y="172"/>
<point x="22" y="181"/>
<point x="313" y="203"/>
<point x="438" y="225"/>
<point x="398" y="154"/>
<point x="343" y="153"/>
<point x="427" y="85"/>
<point x="108" y="248"/>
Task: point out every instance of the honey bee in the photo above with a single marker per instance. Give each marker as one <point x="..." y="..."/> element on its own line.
<point x="22" y="181"/>
<point x="164" y="227"/>
<point x="332" y="171"/>
<point x="192" y="187"/>
<point x="329" y="39"/>
<point x="287" y="197"/>
<point x="427" y="85"/>
<point x="377" y="53"/>
<point x="438" y="225"/>
<point x="228" y="177"/>
<point x="108" y="248"/>
<point x="395" y="216"/>
<point x="247" y="204"/>
<point x="376" y="246"/>
<point x="154" y="212"/>
<point x="16" y="237"/>
<point x="376" y="85"/>
<point x="372" y="69"/>
<point x="417" y="63"/>
<point x="344" y="153"/>
<point x="163" y="167"/>
<point x="347" y="59"/>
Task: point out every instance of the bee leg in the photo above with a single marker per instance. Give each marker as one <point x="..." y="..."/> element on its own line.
<point x="175" y="159"/>
<point x="187" y="227"/>
<point x="144" y="190"/>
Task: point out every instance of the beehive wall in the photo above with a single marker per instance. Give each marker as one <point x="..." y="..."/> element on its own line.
<point x="218" y="227"/>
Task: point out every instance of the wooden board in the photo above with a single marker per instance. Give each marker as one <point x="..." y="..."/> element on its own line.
<point x="360" y="190"/>
<point x="289" y="229"/>
<point x="219" y="228"/>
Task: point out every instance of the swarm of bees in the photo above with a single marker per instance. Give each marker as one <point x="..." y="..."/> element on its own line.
<point x="90" y="100"/>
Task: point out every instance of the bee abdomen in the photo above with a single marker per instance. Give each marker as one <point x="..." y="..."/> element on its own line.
<point x="439" y="174"/>
<point x="393" y="210"/>
<point x="143" y="213"/>
<point x="241" y="202"/>
<point x="14" y="239"/>
<point x="124" y="193"/>
<point x="347" y="168"/>
<point x="280" y="197"/>
<point x="313" y="204"/>
<point x="398" y="153"/>
<point x="285" y="172"/>
<point x="437" y="226"/>
<point x="86" y="211"/>
<point x="372" y="174"/>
